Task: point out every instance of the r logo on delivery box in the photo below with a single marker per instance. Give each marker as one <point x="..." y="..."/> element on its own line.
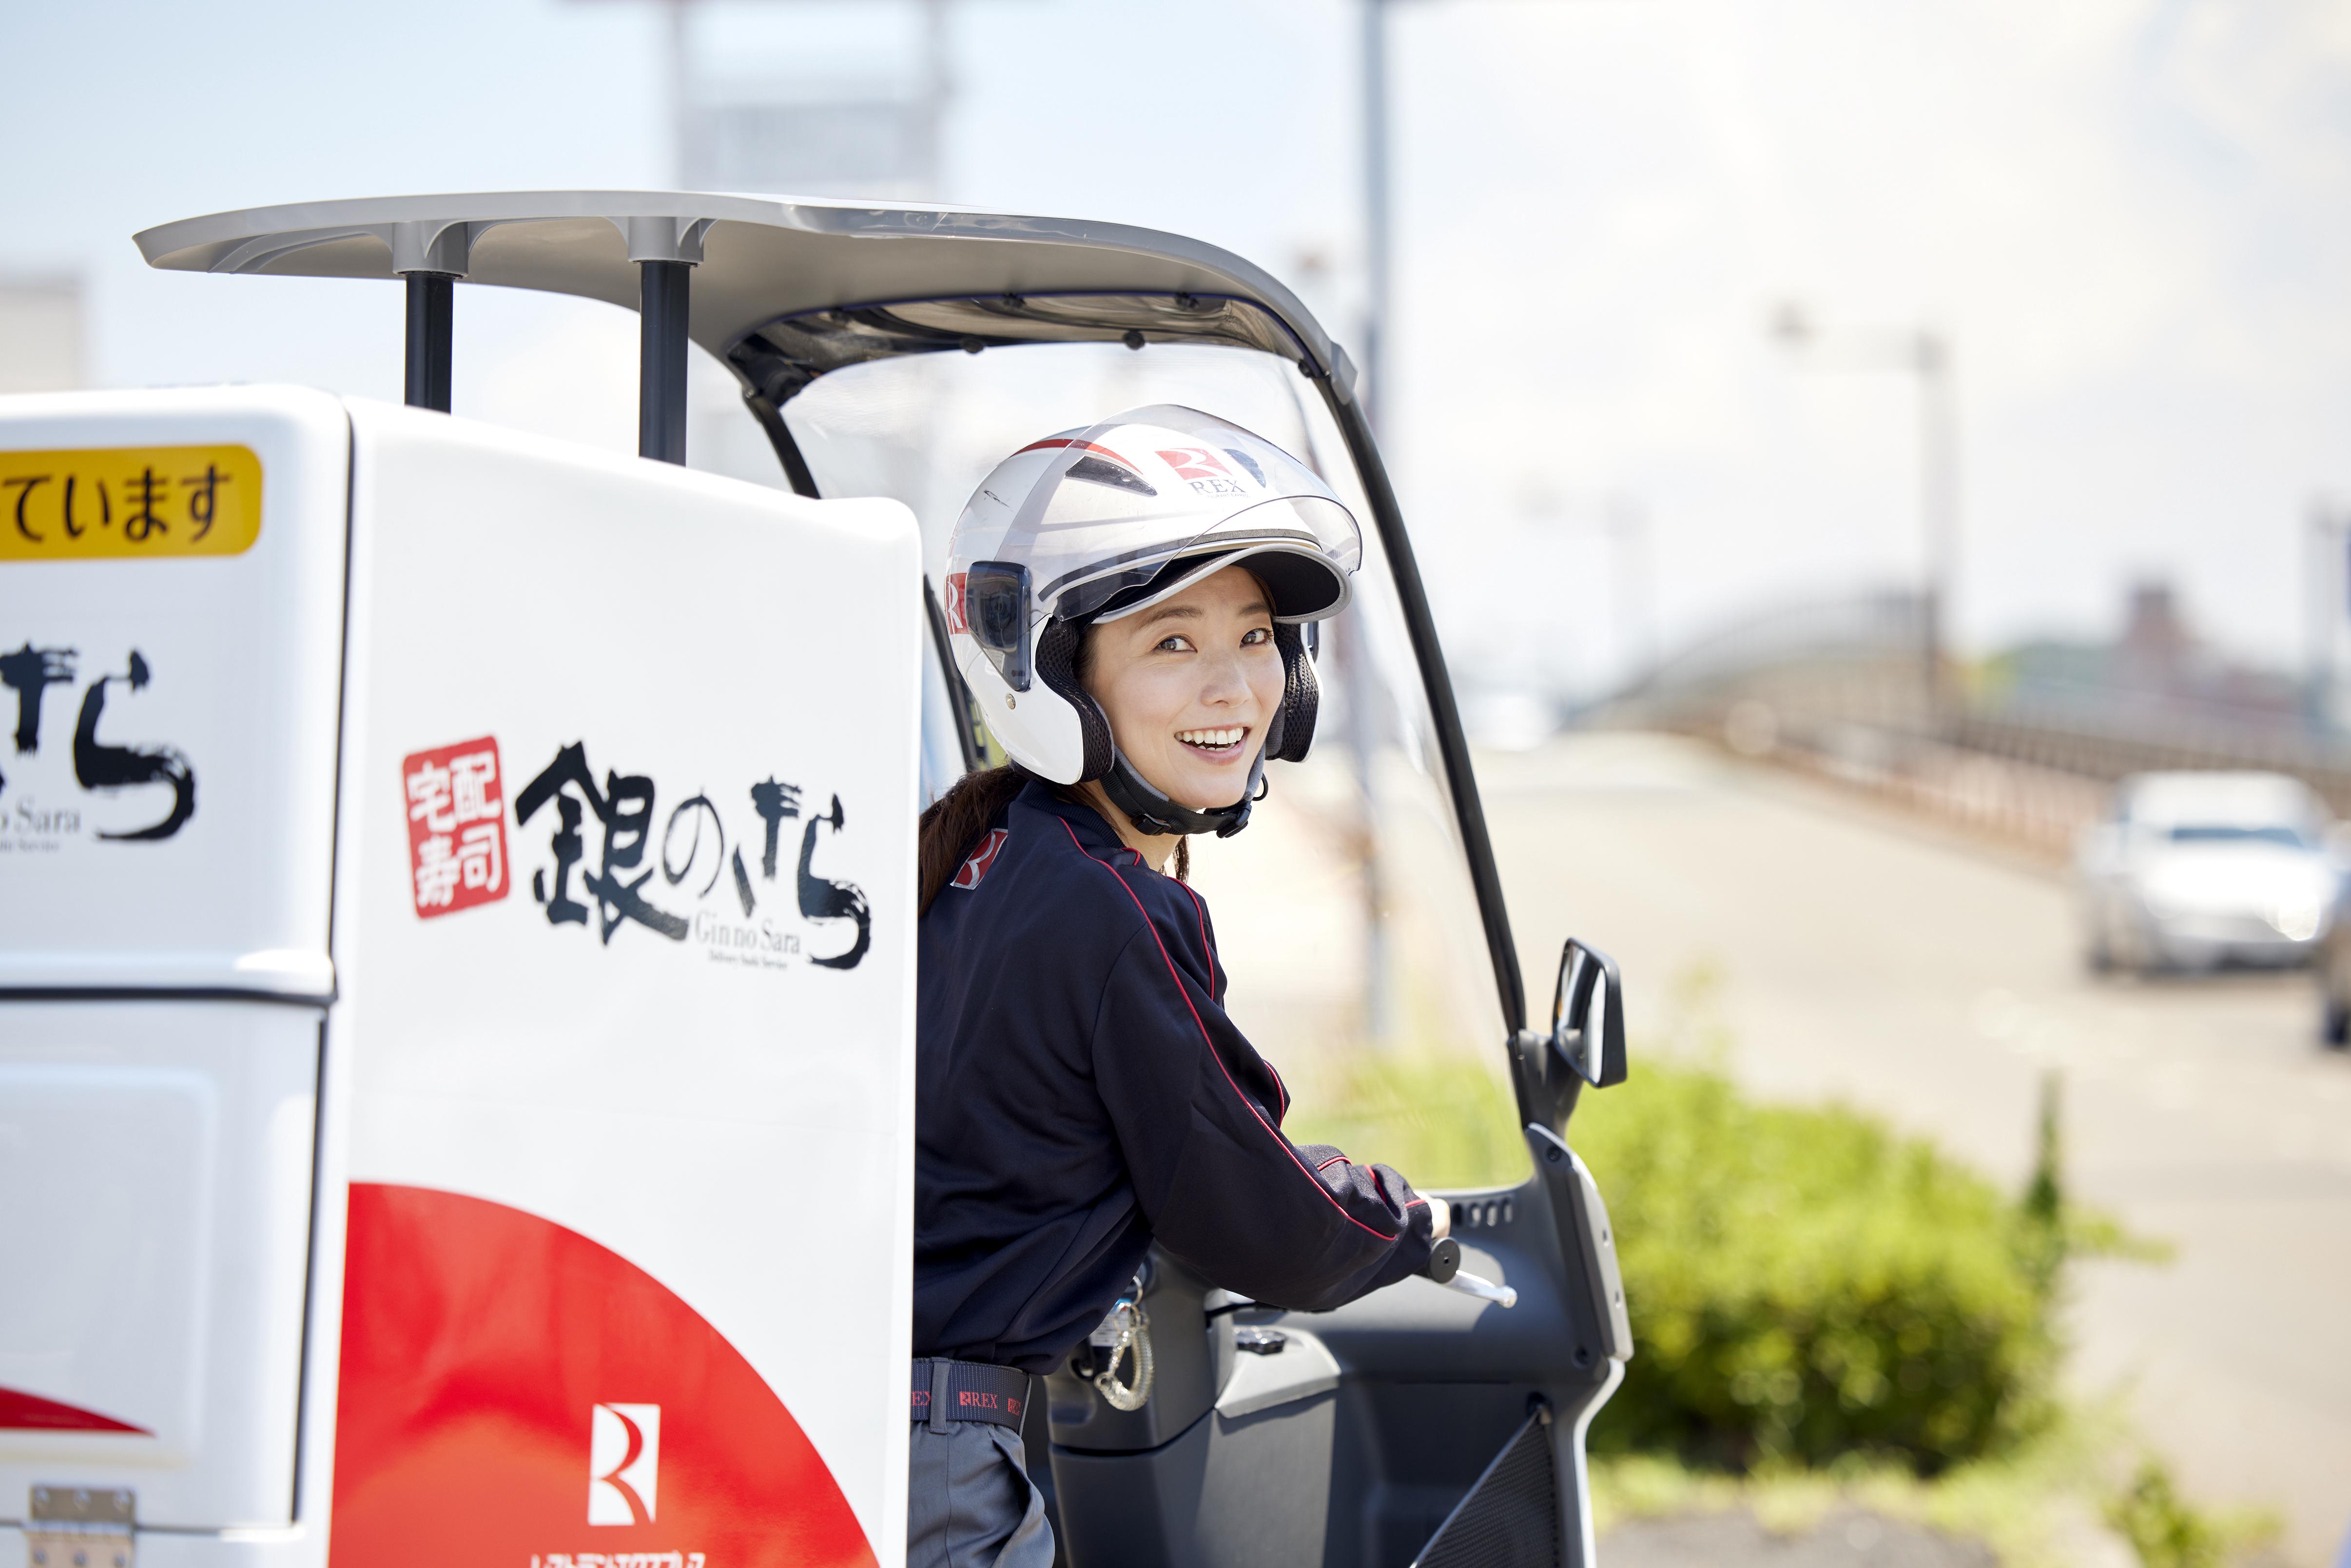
<point x="456" y="826"/>
<point x="624" y="1463"/>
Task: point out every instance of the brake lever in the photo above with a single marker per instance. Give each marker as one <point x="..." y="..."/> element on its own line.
<point x="1445" y="1268"/>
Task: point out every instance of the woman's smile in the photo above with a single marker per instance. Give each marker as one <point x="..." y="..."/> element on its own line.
<point x="1219" y="743"/>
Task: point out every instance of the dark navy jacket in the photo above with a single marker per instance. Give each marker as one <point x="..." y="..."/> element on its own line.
<point x="1080" y="1092"/>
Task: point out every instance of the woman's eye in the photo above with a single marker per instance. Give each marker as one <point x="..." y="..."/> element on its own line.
<point x="1256" y="635"/>
<point x="1174" y="645"/>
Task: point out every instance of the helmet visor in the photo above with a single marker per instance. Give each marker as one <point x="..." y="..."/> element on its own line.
<point x="1106" y="511"/>
<point x="1289" y="528"/>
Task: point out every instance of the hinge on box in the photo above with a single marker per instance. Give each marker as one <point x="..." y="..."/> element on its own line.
<point x="80" y="1527"/>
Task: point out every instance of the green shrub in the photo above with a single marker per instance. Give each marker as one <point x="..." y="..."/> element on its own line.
<point x="2168" y="1531"/>
<point x="1804" y="1284"/>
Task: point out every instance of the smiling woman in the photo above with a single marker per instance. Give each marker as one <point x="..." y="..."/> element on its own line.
<point x="1188" y="687"/>
<point x="1124" y="601"/>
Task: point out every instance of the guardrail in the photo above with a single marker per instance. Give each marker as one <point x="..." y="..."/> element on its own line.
<point x="2031" y="778"/>
<point x="2029" y="805"/>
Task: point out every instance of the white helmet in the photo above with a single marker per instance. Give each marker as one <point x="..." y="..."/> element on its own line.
<point x="1095" y="524"/>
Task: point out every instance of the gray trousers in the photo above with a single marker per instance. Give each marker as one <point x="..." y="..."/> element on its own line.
<point x="969" y="1504"/>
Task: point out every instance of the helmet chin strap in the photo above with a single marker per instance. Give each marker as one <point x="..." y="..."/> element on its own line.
<point x="1152" y="812"/>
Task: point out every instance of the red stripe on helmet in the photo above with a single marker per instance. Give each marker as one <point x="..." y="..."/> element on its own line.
<point x="1064" y="441"/>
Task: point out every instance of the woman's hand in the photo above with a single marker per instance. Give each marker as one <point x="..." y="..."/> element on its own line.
<point x="1440" y="1220"/>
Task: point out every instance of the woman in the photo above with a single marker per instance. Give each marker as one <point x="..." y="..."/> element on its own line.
<point x="1124" y="603"/>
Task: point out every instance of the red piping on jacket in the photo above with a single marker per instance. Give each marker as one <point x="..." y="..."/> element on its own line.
<point x="1211" y="1044"/>
<point x="1208" y="946"/>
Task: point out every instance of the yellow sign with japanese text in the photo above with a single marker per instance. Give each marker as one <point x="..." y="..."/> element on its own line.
<point x="122" y="502"/>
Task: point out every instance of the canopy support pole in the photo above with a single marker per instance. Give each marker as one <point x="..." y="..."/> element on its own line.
<point x="432" y="317"/>
<point x="663" y="294"/>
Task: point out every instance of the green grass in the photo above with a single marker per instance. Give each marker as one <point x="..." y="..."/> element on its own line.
<point x="2040" y="1505"/>
<point x="2168" y="1531"/>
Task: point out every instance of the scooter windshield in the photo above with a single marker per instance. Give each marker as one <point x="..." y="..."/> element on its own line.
<point x="1346" y="914"/>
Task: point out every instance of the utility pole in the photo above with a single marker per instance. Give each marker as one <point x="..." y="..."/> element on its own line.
<point x="1938" y="509"/>
<point x="1348" y="650"/>
<point x="1636" y="584"/>
<point x="1926" y="356"/>
<point x="938" y="81"/>
<point x="679" y="81"/>
<point x="1377" y="236"/>
<point x="2325" y="605"/>
<point x="1372" y="363"/>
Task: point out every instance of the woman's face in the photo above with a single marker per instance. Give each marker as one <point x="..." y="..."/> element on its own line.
<point x="1190" y="684"/>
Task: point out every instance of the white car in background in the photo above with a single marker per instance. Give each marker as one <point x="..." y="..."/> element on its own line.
<point x="2193" y="870"/>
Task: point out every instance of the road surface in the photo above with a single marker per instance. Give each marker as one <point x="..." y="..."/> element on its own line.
<point x="1865" y="955"/>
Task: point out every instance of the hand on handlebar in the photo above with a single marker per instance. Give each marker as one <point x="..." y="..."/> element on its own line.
<point x="1440" y="1220"/>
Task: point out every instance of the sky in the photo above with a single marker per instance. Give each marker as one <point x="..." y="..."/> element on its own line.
<point x="2125" y="217"/>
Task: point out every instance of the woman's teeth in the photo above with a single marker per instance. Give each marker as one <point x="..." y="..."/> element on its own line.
<point x="1213" y="739"/>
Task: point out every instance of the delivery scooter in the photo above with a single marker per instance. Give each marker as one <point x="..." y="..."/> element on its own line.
<point x="459" y="925"/>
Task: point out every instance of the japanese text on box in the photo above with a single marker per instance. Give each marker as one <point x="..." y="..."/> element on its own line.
<point x="456" y="805"/>
<point x="128" y="501"/>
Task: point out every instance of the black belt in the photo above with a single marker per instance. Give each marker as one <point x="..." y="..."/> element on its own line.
<point x="947" y="1391"/>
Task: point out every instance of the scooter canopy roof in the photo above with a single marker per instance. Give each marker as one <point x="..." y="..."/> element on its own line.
<point x="787" y="288"/>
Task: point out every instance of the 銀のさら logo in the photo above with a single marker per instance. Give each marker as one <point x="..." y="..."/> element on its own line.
<point x="679" y="881"/>
<point x="36" y="811"/>
<point x="623" y="1464"/>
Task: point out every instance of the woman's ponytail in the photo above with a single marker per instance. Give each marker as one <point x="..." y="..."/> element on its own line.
<point x="951" y="824"/>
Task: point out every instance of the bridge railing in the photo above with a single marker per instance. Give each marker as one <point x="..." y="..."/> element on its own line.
<point x="1835" y="691"/>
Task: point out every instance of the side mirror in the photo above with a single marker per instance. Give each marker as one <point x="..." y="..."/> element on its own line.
<point x="1587" y="1015"/>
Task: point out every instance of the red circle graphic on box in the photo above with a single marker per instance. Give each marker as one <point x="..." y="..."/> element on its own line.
<point x="506" y="1381"/>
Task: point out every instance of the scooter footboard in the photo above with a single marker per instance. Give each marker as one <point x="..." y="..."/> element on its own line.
<point x="1409" y="1428"/>
<point x="1258" y="1491"/>
<point x="1387" y="1473"/>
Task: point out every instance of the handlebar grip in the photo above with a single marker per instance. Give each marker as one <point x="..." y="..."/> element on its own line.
<point x="1484" y="1289"/>
<point x="1445" y="1268"/>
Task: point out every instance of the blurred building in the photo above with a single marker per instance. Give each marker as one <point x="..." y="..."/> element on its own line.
<point x="801" y="121"/>
<point x="833" y="140"/>
<point x="2157" y="676"/>
<point x="43" y="345"/>
<point x="838" y="128"/>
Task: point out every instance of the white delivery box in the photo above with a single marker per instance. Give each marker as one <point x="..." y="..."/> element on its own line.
<point x="457" y="975"/>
